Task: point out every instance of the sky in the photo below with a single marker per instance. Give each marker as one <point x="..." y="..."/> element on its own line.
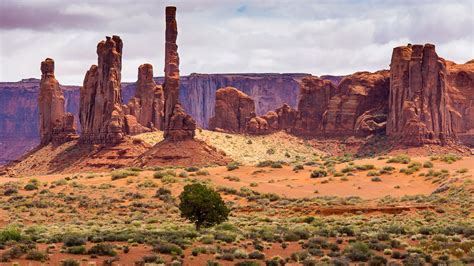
<point x="335" y="37"/>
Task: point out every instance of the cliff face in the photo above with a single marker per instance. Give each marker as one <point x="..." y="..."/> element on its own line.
<point x="269" y="91"/>
<point x="360" y="106"/>
<point x="419" y="104"/>
<point x="461" y="92"/>
<point x="232" y="110"/>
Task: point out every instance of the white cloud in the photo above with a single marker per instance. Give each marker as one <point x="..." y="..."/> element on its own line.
<point x="318" y="37"/>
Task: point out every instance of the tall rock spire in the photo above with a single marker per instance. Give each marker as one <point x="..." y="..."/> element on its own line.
<point x="177" y="124"/>
<point x="101" y="114"/>
<point x="55" y="125"/>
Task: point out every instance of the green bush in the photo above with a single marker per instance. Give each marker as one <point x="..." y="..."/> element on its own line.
<point x="76" y="250"/>
<point x="122" y="173"/>
<point x="202" y="206"/>
<point x="192" y="169"/>
<point x="404" y="159"/>
<point x="298" y="167"/>
<point x="318" y="173"/>
<point x="30" y="186"/>
<point x="364" y="167"/>
<point x="167" y="248"/>
<point x="427" y="164"/>
<point x="202" y="172"/>
<point x="10" y="233"/>
<point x="36" y="255"/>
<point x="70" y="262"/>
<point x="102" y="249"/>
<point x="376" y="179"/>
<point x="232" y="178"/>
<point x="71" y="240"/>
<point x="357" y="251"/>
<point x="232" y="166"/>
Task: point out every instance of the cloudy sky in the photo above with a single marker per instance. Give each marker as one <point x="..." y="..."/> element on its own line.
<point x="224" y="36"/>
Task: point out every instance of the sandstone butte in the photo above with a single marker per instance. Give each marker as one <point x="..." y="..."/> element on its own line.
<point x="422" y="99"/>
<point x="55" y="125"/>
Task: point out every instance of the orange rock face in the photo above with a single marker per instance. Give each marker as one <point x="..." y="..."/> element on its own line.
<point x="55" y="125"/>
<point x="461" y="92"/>
<point x="177" y="124"/>
<point x="419" y="104"/>
<point x="232" y="110"/>
<point x="101" y="114"/>
<point x="360" y="106"/>
<point x="314" y="98"/>
<point x="147" y="105"/>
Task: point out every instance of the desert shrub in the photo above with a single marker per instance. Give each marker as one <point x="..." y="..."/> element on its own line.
<point x="70" y="262"/>
<point x="10" y="233"/>
<point x="202" y="172"/>
<point x="257" y="255"/>
<point x="167" y="248"/>
<point x="163" y="174"/>
<point x="153" y="259"/>
<point x="183" y="174"/>
<point x="414" y="260"/>
<point x="276" y="165"/>
<point x="163" y="194"/>
<point x="299" y="256"/>
<point x="192" y="169"/>
<point x="376" y="179"/>
<point x="225" y="236"/>
<point x="30" y="186"/>
<point x="73" y="239"/>
<point x="357" y="251"/>
<point x="404" y="159"/>
<point x="76" y="250"/>
<point x="122" y="173"/>
<point x="427" y="164"/>
<point x="232" y="178"/>
<point x="10" y="191"/>
<point x="247" y="263"/>
<point x="211" y="262"/>
<point x="373" y="173"/>
<point x="169" y="179"/>
<point x="36" y="255"/>
<point x="198" y="250"/>
<point x="364" y="167"/>
<point x="377" y="261"/>
<point x="298" y="167"/>
<point x="232" y="166"/>
<point x="318" y="173"/>
<point x="462" y="170"/>
<point x="102" y="249"/>
<point x="448" y="158"/>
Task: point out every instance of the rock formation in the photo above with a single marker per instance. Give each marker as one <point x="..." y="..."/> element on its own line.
<point x="55" y="126"/>
<point x="147" y="105"/>
<point x="314" y="97"/>
<point x="101" y="114"/>
<point x="232" y="110"/>
<point x="461" y="92"/>
<point x="360" y="106"/>
<point x="283" y="118"/>
<point x="177" y="124"/>
<point x="419" y="104"/>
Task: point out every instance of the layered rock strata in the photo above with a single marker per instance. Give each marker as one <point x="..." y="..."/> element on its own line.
<point x="419" y="104"/>
<point x="100" y="111"/>
<point x="233" y="109"/>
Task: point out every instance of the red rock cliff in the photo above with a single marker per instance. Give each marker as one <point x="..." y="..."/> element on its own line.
<point x="360" y="106"/>
<point x="419" y="104"/>
<point x="232" y="110"/>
